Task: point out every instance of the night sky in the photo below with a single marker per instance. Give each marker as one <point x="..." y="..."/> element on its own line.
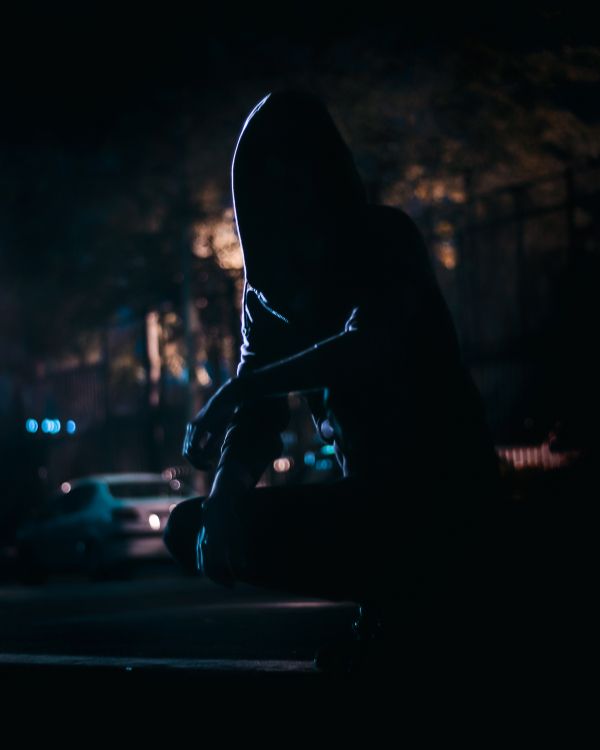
<point x="68" y="71"/>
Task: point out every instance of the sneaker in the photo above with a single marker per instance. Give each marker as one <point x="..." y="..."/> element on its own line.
<point x="365" y="649"/>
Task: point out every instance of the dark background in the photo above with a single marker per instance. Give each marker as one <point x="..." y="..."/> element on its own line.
<point x="117" y="131"/>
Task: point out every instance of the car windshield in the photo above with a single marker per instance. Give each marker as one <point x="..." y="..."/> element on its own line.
<point x="147" y="490"/>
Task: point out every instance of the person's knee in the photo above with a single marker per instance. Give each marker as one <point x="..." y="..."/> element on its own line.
<point x="221" y="553"/>
<point x="212" y="563"/>
<point x="181" y="531"/>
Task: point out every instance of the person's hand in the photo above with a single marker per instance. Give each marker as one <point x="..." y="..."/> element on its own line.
<point x="204" y="433"/>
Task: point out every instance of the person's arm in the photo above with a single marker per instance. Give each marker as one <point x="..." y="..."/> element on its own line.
<point x="313" y="369"/>
<point x="246" y="440"/>
<point x="252" y="441"/>
<point x="333" y="360"/>
<point x="219" y="551"/>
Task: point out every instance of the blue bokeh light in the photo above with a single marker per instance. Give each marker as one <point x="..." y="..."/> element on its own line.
<point x="324" y="464"/>
<point x="71" y="426"/>
<point x="51" y="426"/>
<point x="31" y="426"/>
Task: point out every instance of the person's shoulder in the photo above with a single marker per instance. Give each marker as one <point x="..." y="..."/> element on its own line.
<point x="401" y="247"/>
<point x="392" y="221"/>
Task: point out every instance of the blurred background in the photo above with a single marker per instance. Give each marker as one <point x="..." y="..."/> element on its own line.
<point x="120" y="269"/>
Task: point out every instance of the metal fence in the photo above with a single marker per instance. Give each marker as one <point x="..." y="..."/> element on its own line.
<point x="509" y="255"/>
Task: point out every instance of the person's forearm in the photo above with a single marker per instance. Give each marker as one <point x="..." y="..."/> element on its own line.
<point x="231" y="480"/>
<point x="313" y="369"/>
<point x="253" y="440"/>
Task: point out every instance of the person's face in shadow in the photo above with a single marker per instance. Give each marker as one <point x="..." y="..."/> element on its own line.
<point x="296" y="243"/>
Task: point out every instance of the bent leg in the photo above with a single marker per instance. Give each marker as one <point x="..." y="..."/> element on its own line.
<point x="304" y="539"/>
<point x="181" y="532"/>
<point x="308" y="539"/>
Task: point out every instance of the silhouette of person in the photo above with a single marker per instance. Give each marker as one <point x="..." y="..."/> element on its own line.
<point x="340" y="304"/>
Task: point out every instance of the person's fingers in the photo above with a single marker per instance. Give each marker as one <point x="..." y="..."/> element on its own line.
<point x="218" y="409"/>
<point x="202" y="422"/>
<point x="187" y="440"/>
<point x="201" y="448"/>
<point x="195" y="440"/>
<point x="212" y="447"/>
<point x="210" y="412"/>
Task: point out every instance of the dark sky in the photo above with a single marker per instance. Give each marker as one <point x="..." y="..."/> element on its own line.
<point x="68" y="68"/>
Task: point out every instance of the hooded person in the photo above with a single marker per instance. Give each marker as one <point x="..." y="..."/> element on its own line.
<point x="340" y="303"/>
<point x="299" y="207"/>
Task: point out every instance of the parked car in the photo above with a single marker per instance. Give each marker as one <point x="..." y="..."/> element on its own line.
<point x="99" y="525"/>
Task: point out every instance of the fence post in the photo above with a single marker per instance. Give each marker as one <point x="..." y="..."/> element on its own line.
<point x="517" y="194"/>
<point x="572" y="246"/>
<point x="466" y="258"/>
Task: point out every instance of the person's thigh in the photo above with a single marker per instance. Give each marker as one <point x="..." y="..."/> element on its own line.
<point x="310" y="539"/>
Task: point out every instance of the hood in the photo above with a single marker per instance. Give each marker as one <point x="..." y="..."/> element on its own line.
<point x="300" y="209"/>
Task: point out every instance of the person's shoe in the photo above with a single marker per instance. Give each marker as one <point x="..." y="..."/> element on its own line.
<point x="365" y="650"/>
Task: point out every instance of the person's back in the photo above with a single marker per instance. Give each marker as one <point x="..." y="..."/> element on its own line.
<point x="409" y="398"/>
<point x="405" y="417"/>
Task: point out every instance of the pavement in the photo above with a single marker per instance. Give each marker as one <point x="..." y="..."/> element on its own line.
<point x="164" y="626"/>
<point x="167" y="632"/>
<point x="164" y="622"/>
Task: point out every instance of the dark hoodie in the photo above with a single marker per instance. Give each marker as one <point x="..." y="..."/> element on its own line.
<point x="319" y="259"/>
<point x="299" y="203"/>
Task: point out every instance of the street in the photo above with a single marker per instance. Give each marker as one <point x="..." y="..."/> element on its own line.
<point x="161" y="618"/>
<point x="162" y="634"/>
